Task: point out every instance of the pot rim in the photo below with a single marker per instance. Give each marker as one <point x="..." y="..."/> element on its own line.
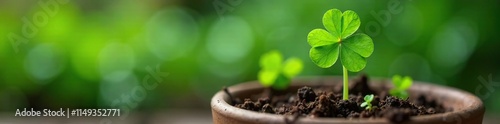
<point x="470" y="106"/>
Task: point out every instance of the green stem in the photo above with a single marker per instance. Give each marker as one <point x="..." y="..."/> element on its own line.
<point x="346" y="84"/>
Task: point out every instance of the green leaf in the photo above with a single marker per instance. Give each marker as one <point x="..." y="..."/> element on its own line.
<point x="353" y="49"/>
<point x="281" y="82"/>
<point x="399" y="93"/>
<point x="292" y="67"/>
<point x="325" y="56"/>
<point x="274" y="73"/>
<point x="402" y="83"/>
<point x="351" y="60"/>
<point x="363" y="104"/>
<point x="403" y="95"/>
<point x="406" y="83"/>
<point x="350" y="23"/>
<point x="270" y="64"/>
<point x="332" y="22"/>
<point x="268" y="77"/>
<point x="362" y="44"/>
<point x="369" y="98"/>
<point x="320" y="37"/>
<point x="396" y="80"/>
<point x="338" y="39"/>
<point x="271" y="60"/>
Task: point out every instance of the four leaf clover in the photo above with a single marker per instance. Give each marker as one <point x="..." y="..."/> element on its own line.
<point x="276" y="73"/>
<point x="339" y="40"/>
<point x="401" y="84"/>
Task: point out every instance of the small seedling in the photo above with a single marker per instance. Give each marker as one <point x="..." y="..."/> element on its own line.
<point x="275" y="73"/>
<point x="401" y="84"/>
<point x="339" y="40"/>
<point x="368" y="102"/>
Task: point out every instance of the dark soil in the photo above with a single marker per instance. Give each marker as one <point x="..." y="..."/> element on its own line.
<point x="327" y="102"/>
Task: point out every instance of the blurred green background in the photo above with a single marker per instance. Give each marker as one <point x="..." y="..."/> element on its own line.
<point x="93" y="53"/>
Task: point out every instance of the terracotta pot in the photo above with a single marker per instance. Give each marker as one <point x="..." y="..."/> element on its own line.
<point x="467" y="108"/>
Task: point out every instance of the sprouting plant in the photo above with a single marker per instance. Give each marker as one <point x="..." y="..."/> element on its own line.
<point x="339" y="40"/>
<point x="275" y="73"/>
<point x="401" y="84"/>
<point x="368" y="102"/>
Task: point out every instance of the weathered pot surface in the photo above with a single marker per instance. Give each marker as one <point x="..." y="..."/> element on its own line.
<point x="466" y="108"/>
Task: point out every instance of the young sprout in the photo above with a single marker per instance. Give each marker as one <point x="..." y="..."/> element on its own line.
<point x="401" y="84"/>
<point x="368" y="102"/>
<point x="275" y="73"/>
<point x="339" y="40"/>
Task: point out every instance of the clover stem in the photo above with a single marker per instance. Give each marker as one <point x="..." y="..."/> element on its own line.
<point x="346" y="84"/>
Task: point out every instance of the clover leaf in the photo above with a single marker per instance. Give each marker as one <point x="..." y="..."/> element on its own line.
<point x="339" y="40"/>
<point x="401" y="84"/>
<point x="275" y="73"/>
